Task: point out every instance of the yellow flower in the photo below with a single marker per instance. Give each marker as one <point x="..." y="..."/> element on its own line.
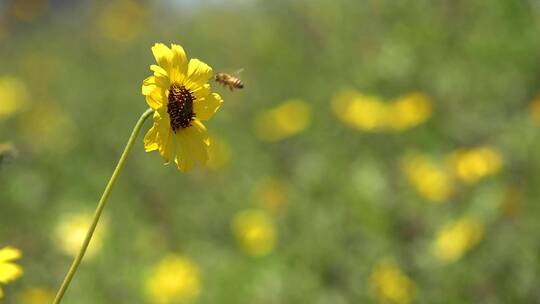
<point x="456" y="238"/>
<point x="255" y="232"/>
<point x="174" y="278"/>
<point x="13" y="96"/>
<point x="365" y="113"/>
<point x="471" y="165"/>
<point x="9" y="271"/>
<point x="288" y="119"/>
<point x="35" y="296"/>
<point x="391" y="285"/>
<point x="409" y="111"/>
<point x="429" y="178"/>
<point x="71" y="231"/>
<point x="180" y="95"/>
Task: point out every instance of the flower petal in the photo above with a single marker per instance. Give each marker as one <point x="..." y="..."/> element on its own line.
<point x="201" y="92"/>
<point x="160" y="136"/>
<point x="9" y="272"/>
<point x="163" y="56"/>
<point x="205" y="108"/>
<point x="149" y="85"/>
<point x="9" y="254"/>
<point x="184" y="160"/>
<point x="198" y="73"/>
<point x="157" y="99"/>
<point x="179" y="64"/>
<point x="159" y="72"/>
<point x="198" y="141"/>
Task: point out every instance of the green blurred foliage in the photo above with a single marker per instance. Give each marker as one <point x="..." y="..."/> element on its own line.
<point x="348" y="203"/>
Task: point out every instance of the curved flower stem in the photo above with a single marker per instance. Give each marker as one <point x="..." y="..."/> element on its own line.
<point x="100" y="206"/>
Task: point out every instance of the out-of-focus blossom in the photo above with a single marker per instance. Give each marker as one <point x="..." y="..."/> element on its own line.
<point x="471" y="165"/>
<point x="287" y="119"/>
<point x="409" y="111"/>
<point x="174" y="279"/>
<point x="391" y="285"/>
<point x="365" y="113"/>
<point x="534" y="109"/>
<point x="255" y="232"/>
<point x="457" y="238"/>
<point x="35" y="296"/>
<point x="428" y="177"/>
<point x="271" y="194"/>
<point x="219" y="153"/>
<point x="9" y="271"/>
<point x="373" y="114"/>
<point x="71" y="232"/>
<point x="27" y="10"/>
<point x="122" y="20"/>
<point x="14" y="96"/>
<point x="47" y="127"/>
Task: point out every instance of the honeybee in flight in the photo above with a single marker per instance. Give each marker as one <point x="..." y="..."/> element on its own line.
<point x="229" y="80"/>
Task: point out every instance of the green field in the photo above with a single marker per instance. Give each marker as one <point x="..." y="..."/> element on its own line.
<point x="381" y="151"/>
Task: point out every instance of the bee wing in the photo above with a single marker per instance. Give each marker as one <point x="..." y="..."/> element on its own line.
<point x="237" y="72"/>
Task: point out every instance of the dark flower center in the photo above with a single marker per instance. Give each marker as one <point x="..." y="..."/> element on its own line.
<point x="180" y="107"/>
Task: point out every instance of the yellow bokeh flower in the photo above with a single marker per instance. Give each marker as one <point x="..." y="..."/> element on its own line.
<point x="365" y="113"/>
<point x="373" y="114"/>
<point x="391" y="285"/>
<point x="180" y="95"/>
<point x="9" y="271"/>
<point x="271" y="194"/>
<point x="429" y="178"/>
<point x="255" y="232"/>
<point x="71" y="231"/>
<point x="456" y="238"/>
<point x="121" y="20"/>
<point x="409" y="111"/>
<point x="175" y="278"/>
<point x="471" y="165"/>
<point x="14" y="96"/>
<point x="287" y="119"/>
<point x="35" y="296"/>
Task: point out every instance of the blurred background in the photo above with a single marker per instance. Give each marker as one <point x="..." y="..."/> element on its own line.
<point x="381" y="152"/>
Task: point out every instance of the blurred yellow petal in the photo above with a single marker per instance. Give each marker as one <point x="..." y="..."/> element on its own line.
<point x="409" y="111"/>
<point x="35" y="296"/>
<point x="9" y="254"/>
<point x="429" y="178"/>
<point x="391" y="285"/>
<point x="205" y="108"/>
<point x="175" y="278"/>
<point x="287" y="119"/>
<point x="255" y="232"/>
<point x="71" y="230"/>
<point x="14" y="96"/>
<point x="9" y="272"/>
<point x="472" y="165"/>
<point x="456" y="238"/>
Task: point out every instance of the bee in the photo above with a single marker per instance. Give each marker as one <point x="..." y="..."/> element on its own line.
<point x="229" y="80"/>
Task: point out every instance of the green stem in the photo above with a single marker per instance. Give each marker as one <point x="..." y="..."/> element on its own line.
<point x="100" y="206"/>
